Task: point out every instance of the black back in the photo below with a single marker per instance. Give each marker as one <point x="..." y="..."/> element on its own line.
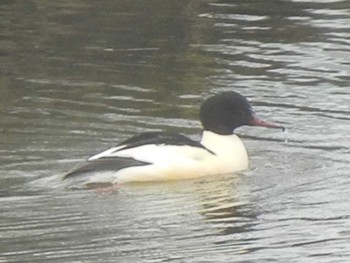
<point x="225" y="112"/>
<point x="158" y="138"/>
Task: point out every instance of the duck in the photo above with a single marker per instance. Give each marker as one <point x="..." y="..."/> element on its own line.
<point x="168" y="156"/>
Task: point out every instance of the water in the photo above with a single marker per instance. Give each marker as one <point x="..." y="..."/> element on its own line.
<point x="76" y="78"/>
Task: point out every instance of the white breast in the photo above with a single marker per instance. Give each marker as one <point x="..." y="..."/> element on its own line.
<point x="229" y="149"/>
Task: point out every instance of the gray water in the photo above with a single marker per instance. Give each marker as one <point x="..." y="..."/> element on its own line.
<point x="76" y="77"/>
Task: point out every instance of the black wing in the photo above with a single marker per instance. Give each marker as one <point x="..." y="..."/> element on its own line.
<point x="104" y="164"/>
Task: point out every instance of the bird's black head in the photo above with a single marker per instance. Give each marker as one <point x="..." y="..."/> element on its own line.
<point x="224" y="112"/>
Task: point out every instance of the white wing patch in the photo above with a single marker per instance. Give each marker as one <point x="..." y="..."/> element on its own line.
<point x="153" y="153"/>
<point x="106" y="153"/>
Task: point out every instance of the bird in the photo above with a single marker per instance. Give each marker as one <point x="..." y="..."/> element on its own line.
<point x="168" y="156"/>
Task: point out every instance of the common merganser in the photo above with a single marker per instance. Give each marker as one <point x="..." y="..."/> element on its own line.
<point x="161" y="156"/>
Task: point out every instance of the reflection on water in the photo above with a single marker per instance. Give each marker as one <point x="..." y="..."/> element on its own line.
<point x="79" y="77"/>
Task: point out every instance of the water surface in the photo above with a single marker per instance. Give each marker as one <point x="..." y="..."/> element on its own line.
<point x="76" y="78"/>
